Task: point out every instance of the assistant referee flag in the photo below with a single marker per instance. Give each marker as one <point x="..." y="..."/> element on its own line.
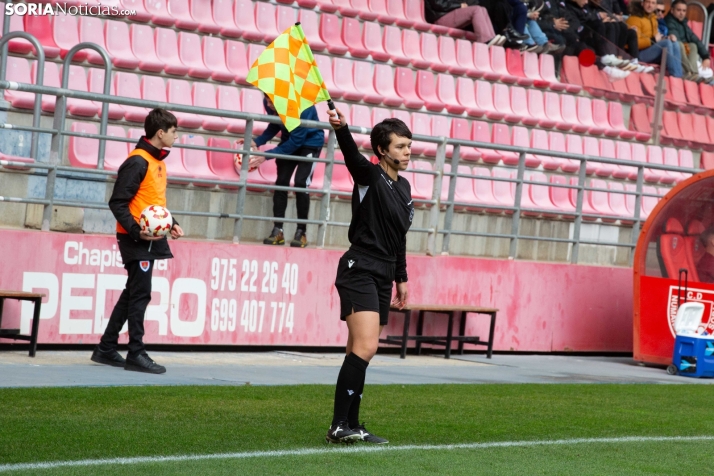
<point x="286" y="71"/>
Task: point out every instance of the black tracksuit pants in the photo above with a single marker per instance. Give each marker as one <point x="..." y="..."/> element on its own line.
<point x="131" y="307"/>
<point x="303" y="177"/>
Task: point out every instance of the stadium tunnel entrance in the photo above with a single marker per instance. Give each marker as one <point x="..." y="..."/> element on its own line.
<point x="667" y="255"/>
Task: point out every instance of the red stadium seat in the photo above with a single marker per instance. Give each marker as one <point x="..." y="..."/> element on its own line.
<point x="607" y="150"/>
<point x="41" y="28"/>
<point x="686" y="160"/>
<point x="393" y="45"/>
<point x="372" y="39"/>
<point x="623" y="151"/>
<point x="671" y="250"/>
<point x="445" y="93"/>
<point x="352" y="37"/>
<point x="181" y="11"/>
<point x="639" y="154"/>
<point x="229" y="99"/>
<point x="706" y="93"/>
<point x="426" y="90"/>
<point x="514" y="65"/>
<point x="547" y="72"/>
<point x="16" y="45"/>
<point x="224" y="17"/>
<point x="670" y="129"/>
<point x="447" y="55"/>
<point x="640" y="123"/>
<point x="460" y="130"/>
<point x="465" y="58"/>
<point x="189" y="45"/>
<point x="594" y="82"/>
<point x="244" y="18"/>
<point x="52" y="79"/>
<point x="127" y="85"/>
<point x="406" y="88"/>
<point x="571" y="73"/>
<point x="221" y="163"/>
<point x="196" y="161"/>
<point x="585" y="117"/>
<point x="466" y="97"/>
<point x="331" y="35"/>
<point x="204" y="95"/>
<point x="484" y="98"/>
<point x="498" y="65"/>
<point x="482" y="62"/>
<point x="236" y="60"/>
<point x="309" y="23"/>
<point x="502" y="103"/>
<point x="552" y="111"/>
<point x="531" y="70"/>
<point x="691" y="89"/>
<point x="536" y="108"/>
<point x="385" y="86"/>
<point x="214" y="58"/>
<point x="142" y="47"/>
<point x="160" y="13"/>
<point x="480" y="132"/>
<point x="265" y="21"/>
<point x="96" y="85"/>
<point x="167" y="51"/>
<point x="676" y="95"/>
<point x="364" y="82"/>
<point x="634" y="87"/>
<point x="342" y="74"/>
<point x="179" y="92"/>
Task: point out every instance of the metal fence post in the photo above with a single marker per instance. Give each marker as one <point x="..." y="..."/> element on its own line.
<point x="638" y="209"/>
<point x="436" y="196"/>
<point x="326" y="186"/>
<point x="243" y="182"/>
<point x="449" y="217"/>
<point x="659" y="99"/>
<point x="516" y="220"/>
<point x="578" y="214"/>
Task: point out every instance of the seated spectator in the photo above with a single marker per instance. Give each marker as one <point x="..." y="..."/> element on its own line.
<point x="538" y="41"/>
<point x="617" y="30"/>
<point x="457" y="14"/>
<point x="692" y="48"/>
<point x="650" y="40"/>
<point x="705" y="266"/>
<point x="561" y="27"/>
<point x="661" y="24"/>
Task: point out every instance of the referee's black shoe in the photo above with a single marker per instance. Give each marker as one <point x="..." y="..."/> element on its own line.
<point x="369" y="437"/>
<point x="108" y="358"/>
<point x="300" y="239"/>
<point x="341" y="433"/>
<point x="143" y="363"/>
<point x="276" y="237"/>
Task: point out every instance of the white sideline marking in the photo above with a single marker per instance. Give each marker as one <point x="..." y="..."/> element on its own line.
<point x="357" y="449"/>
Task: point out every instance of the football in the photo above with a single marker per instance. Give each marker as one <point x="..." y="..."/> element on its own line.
<point x="238" y="163"/>
<point x="156" y="220"/>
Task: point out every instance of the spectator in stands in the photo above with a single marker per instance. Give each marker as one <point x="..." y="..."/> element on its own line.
<point x="561" y="26"/>
<point x="538" y="41"/>
<point x="650" y="41"/>
<point x="508" y="18"/>
<point x="614" y="27"/>
<point x="304" y="142"/>
<point x="705" y="266"/>
<point x="661" y="24"/>
<point x="691" y="47"/>
<point x="140" y="183"/>
<point x="456" y="14"/>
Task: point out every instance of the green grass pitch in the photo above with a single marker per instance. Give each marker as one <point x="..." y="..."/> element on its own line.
<point x="74" y="424"/>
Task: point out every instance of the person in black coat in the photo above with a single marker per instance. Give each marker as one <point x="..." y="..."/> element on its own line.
<point x="485" y="17"/>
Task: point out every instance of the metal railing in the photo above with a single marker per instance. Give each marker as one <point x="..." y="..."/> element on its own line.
<point x="54" y="169"/>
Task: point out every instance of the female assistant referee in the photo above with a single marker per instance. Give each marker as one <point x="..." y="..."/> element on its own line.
<point x="382" y="212"/>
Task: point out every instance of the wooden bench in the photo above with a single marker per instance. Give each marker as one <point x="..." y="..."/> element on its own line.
<point x="15" y="333"/>
<point x="446" y="340"/>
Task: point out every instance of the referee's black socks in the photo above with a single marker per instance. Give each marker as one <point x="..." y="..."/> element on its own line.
<point x="350" y="384"/>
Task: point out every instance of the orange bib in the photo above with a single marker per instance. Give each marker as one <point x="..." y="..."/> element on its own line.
<point x="152" y="190"/>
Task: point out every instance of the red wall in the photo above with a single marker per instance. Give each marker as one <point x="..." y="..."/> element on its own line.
<point x="216" y="293"/>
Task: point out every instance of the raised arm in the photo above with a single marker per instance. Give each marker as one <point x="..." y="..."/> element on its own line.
<point x="360" y="168"/>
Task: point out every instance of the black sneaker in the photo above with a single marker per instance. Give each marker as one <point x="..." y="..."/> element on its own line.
<point x="369" y="437"/>
<point x="108" y="358"/>
<point x="300" y="240"/>
<point x="276" y="237"/>
<point x="341" y="433"/>
<point x="143" y="363"/>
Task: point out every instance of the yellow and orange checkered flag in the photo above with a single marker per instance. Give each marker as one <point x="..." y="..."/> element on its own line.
<point x="286" y="71"/>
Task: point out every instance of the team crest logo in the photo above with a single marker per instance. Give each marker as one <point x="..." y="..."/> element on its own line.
<point x="704" y="296"/>
<point x="145" y="265"/>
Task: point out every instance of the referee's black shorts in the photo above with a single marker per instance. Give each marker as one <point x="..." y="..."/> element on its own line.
<point x="364" y="283"/>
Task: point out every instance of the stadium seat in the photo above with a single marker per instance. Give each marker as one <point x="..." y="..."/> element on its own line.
<point x="463" y="191"/>
<point x="483" y="188"/>
<point x="640" y="123"/>
<point x="447" y="55"/>
<point x="253" y="52"/>
<point x="639" y="154"/>
<point x="573" y="144"/>
<point x="406" y="89"/>
<point x="372" y="40"/>
<point x="142" y="47"/>
<point x="423" y="185"/>
<point x="40" y="27"/>
<point x="498" y="65"/>
<point x="618" y="90"/>
<point x="414" y="13"/>
<point x="484" y="98"/>
<point x="65" y="34"/>
<point x="670" y="129"/>
<point x="331" y="35"/>
<point x="691" y="89"/>
<point x="324" y="63"/>
<point x="153" y="88"/>
<point x="181" y="11"/>
<point x="115" y="153"/>
<point x="560" y="196"/>
<point x="440" y="127"/>
<point x="706" y="93"/>
<point x="482" y="62"/>
<point x="570" y="113"/>
<point x="480" y="132"/>
<point x="224" y="17"/>
<point x="430" y="52"/>
<point x="202" y="13"/>
<point x="586" y="145"/>
<point x="501" y="135"/>
<point x="16" y="45"/>
<point x="601" y="120"/>
<point x="379" y="7"/>
<point x="363" y="74"/>
<point x="160" y="13"/>
<point x="236" y="60"/>
<point x="519" y="105"/>
<point x="654" y="156"/>
<point x="127" y="85"/>
<point x="670" y="250"/>
<point x="82" y="151"/>
<point x="623" y="151"/>
<point x="251" y="100"/>
<point x="265" y="21"/>
<point x="96" y="85"/>
<point x="649" y="84"/>
<point x="52" y="79"/>
<point x="309" y="23"/>
<point x="536" y="109"/>
<point x="466" y="97"/>
<point x="585" y="116"/>
<point x="671" y="158"/>
<point x="167" y="52"/>
<point x="686" y="160"/>
<point x="412" y="49"/>
<point x="359" y="115"/>
<point x="617" y="121"/>
<point x="556" y="143"/>
<point x="189" y="46"/>
<point x="675" y="94"/>
<point x="384" y="84"/>
<point x="539" y="140"/>
<point x="538" y="195"/>
<point x="245" y="19"/>
<point x="521" y="138"/>
<point x="214" y="59"/>
<point x="465" y="58"/>
<point x="608" y="151"/>
<point x="617" y="200"/>
<point x="326" y="6"/>
<point x="503" y="191"/>
<point x="352" y="37"/>
<point x="552" y="111"/>
<point x="91" y="30"/>
<point x="572" y="80"/>
<point x="694" y="247"/>
<point x="393" y="45"/>
<point x="460" y="130"/>
<point x="593" y="82"/>
<point x="341" y="178"/>
<point x="179" y="92"/>
<point x="426" y="90"/>
<point x="421" y="124"/>
<point x="229" y="99"/>
<point x="587" y="208"/>
<point x="221" y="163"/>
<point x="118" y="44"/>
<point x="445" y="94"/>
<point x="196" y="161"/>
<point x="141" y="15"/>
<point x="342" y="74"/>
<point x="531" y="70"/>
<point x="514" y="65"/>
<point x="345" y="8"/>
<point x="78" y="81"/>
<point x="204" y="95"/>
<point x="547" y="72"/>
<point x="502" y="103"/>
<point x="634" y="87"/>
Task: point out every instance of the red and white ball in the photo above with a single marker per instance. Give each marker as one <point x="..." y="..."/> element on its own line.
<point x="238" y="163"/>
<point x="156" y="220"/>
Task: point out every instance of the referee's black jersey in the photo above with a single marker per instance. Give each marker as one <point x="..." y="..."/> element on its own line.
<point x="382" y="209"/>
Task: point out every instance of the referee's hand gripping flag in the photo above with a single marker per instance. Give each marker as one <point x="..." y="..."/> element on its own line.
<point x="287" y="72"/>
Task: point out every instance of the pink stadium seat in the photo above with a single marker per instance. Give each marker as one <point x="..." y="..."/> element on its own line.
<point x="115" y="153"/>
<point x="445" y="93"/>
<point x="65" y="34"/>
<point x="655" y="156"/>
<point x="423" y="185"/>
<point x="181" y="11"/>
<point x="575" y="144"/>
<point x="393" y="45"/>
<point x="691" y="89"/>
<point x="380" y="8"/>
<point x="204" y="95"/>
<point x="406" y="89"/>
<point x="326" y="6"/>
<point x="379" y="114"/>
<point x="142" y="15"/>
<point x="153" y="88"/>
<point x="159" y="13"/>
<point x="252" y="101"/>
<point x="221" y="163"/>
<point x="560" y="196"/>
<point x="639" y="154"/>
<point x="118" y="44"/>
<point x="174" y="165"/>
<point x="352" y="37"/>
<point x="78" y="82"/>
<point x="587" y="203"/>
<point x="623" y="150"/>
<point x="229" y="99"/>
<point x="18" y="46"/>
<point x="710" y="126"/>
<point x="330" y="34"/>
<point x="599" y="200"/>
<point x="363" y="74"/>
<point x="466" y="97"/>
<point x="502" y="103"/>
<point x="224" y="17"/>
<point x="41" y="28"/>
<point x="430" y="52"/>
<point x="619" y="90"/>
<point x="498" y="65"/>
<point x="285" y="18"/>
<point x="325" y="65"/>
<point x="341" y="178"/>
<point x="671" y="158"/>
<point x="531" y="70"/>
<point x="167" y="52"/>
<point x="501" y="135"/>
<point x="412" y="49"/>
<point x="426" y="90"/>
<point x="245" y="20"/>
<point x="91" y="31"/>
<point x="601" y="120"/>
<point x="464" y="189"/>
<point x="359" y="115"/>
<point x="460" y="130"/>
<point x="236" y="60"/>
<point x="189" y="45"/>
<point x="440" y="127"/>
<point x="547" y="72"/>
<point x="540" y="194"/>
<point x="480" y="132"/>
<point x="127" y="85"/>
<point x="572" y="143"/>
<point x="536" y="108"/>
<point x="521" y="138"/>
<point x="570" y="114"/>
<point x="82" y="151"/>
<point x="670" y="131"/>
<point x="142" y="47"/>
<point x="607" y="150"/>
<point x="465" y="58"/>
<point x="364" y="12"/>
<point x="265" y="21"/>
<point x="96" y="85"/>
<point x="503" y="192"/>
<point x="484" y="98"/>
<point x="196" y="161"/>
<point x="253" y="52"/>
<point x="414" y="12"/>
<point x="179" y="92"/>
<point x="570" y="73"/>
<point x="675" y="94"/>
<point x="706" y="93"/>
<point x="514" y="65"/>
<point x="214" y="58"/>
<point x="686" y="160"/>
<point x="593" y="82"/>
<point x="552" y="110"/>
<point x="395" y="8"/>
<point x="420" y="124"/>
<point x="372" y="40"/>
<point x="52" y="79"/>
<point x="384" y="84"/>
<point x="617" y="201"/>
<point x="309" y="23"/>
<point x="634" y="87"/>
<point x="482" y="62"/>
<point x="194" y="14"/>
<point x="447" y="55"/>
<point x="519" y="105"/>
<point x="343" y="76"/>
<point x="345" y="8"/>
<point x="556" y="143"/>
<point x="483" y="187"/>
<point x="539" y="140"/>
<point x="585" y="116"/>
